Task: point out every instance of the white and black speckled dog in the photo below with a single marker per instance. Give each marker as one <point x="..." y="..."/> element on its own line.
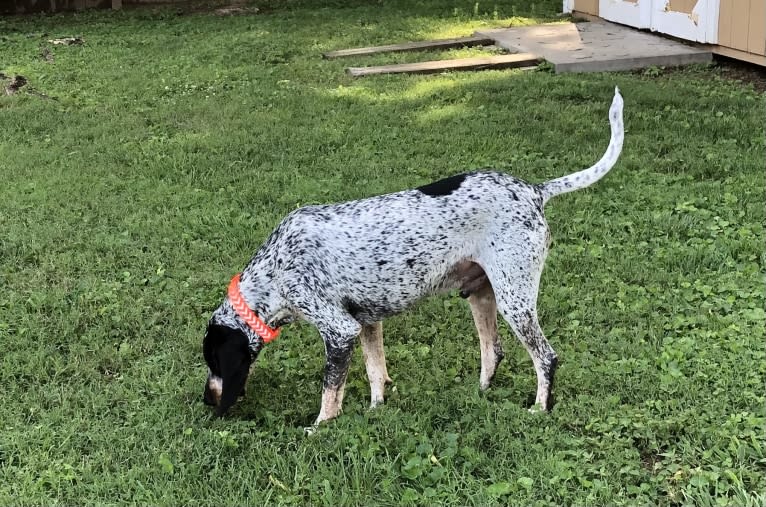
<point x="345" y="267"/>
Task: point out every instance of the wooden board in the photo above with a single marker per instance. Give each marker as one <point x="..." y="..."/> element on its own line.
<point x="413" y="46"/>
<point x="724" y="22"/>
<point x="756" y="33"/>
<point x="586" y="6"/>
<point x="740" y="55"/>
<point x="482" y="62"/>
<point x="742" y="26"/>
<point x="685" y="6"/>
<point x="740" y="22"/>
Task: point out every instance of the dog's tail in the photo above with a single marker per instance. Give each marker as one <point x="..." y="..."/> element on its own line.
<point x="594" y="173"/>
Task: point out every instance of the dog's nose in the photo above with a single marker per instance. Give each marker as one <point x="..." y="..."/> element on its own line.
<point x="208" y="398"/>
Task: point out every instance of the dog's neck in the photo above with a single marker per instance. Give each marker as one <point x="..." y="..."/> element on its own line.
<point x="260" y="296"/>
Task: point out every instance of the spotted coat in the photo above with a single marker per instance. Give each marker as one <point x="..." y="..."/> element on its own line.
<point x="345" y="267"/>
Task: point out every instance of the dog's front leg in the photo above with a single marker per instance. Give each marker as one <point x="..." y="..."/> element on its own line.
<point x="339" y="338"/>
<point x="339" y="352"/>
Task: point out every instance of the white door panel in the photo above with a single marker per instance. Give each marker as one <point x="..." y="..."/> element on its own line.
<point x="637" y="13"/>
<point x="701" y="24"/>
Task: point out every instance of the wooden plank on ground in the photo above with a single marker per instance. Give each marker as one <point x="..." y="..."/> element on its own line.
<point x="481" y="62"/>
<point x="413" y="46"/>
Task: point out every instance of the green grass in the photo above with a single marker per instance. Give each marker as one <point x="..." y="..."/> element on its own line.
<point x="177" y="143"/>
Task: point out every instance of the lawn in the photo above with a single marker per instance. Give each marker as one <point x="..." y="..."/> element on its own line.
<point x="153" y="160"/>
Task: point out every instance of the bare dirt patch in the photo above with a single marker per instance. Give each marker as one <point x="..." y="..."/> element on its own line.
<point x="15" y="84"/>
<point x="746" y="73"/>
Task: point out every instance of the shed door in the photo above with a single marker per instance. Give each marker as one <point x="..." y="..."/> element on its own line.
<point x="636" y="13"/>
<point x="695" y="20"/>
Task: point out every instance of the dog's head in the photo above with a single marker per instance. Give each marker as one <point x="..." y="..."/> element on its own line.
<point x="228" y="359"/>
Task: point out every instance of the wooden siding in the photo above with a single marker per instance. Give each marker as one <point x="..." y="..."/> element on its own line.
<point x="742" y="25"/>
<point x="587" y="6"/>
<point x="684" y="6"/>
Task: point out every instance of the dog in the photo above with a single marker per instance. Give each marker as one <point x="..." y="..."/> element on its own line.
<point x="345" y="267"/>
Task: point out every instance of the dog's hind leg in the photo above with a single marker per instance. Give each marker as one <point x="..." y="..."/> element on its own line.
<point x="484" y="310"/>
<point x="515" y="290"/>
<point x="525" y="325"/>
<point x="375" y="361"/>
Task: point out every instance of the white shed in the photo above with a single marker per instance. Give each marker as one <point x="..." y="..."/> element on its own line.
<point x="735" y="28"/>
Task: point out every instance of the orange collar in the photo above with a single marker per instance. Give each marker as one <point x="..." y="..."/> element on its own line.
<point x="245" y="313"/>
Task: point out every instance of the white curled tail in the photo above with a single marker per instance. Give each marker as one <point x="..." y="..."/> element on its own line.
<point x="594" y="173"/>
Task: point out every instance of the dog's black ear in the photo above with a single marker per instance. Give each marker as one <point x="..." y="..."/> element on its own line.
<point x="226" y="352"/>
<point x="234" y="359"/>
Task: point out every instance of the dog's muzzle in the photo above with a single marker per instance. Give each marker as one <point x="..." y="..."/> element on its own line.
<point x="213" y="390"/>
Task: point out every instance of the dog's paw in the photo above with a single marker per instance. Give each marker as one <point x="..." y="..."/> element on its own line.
<point x="310" y="430"/>
<point x="536" y="409"/>
<point x="376" y="403"/>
